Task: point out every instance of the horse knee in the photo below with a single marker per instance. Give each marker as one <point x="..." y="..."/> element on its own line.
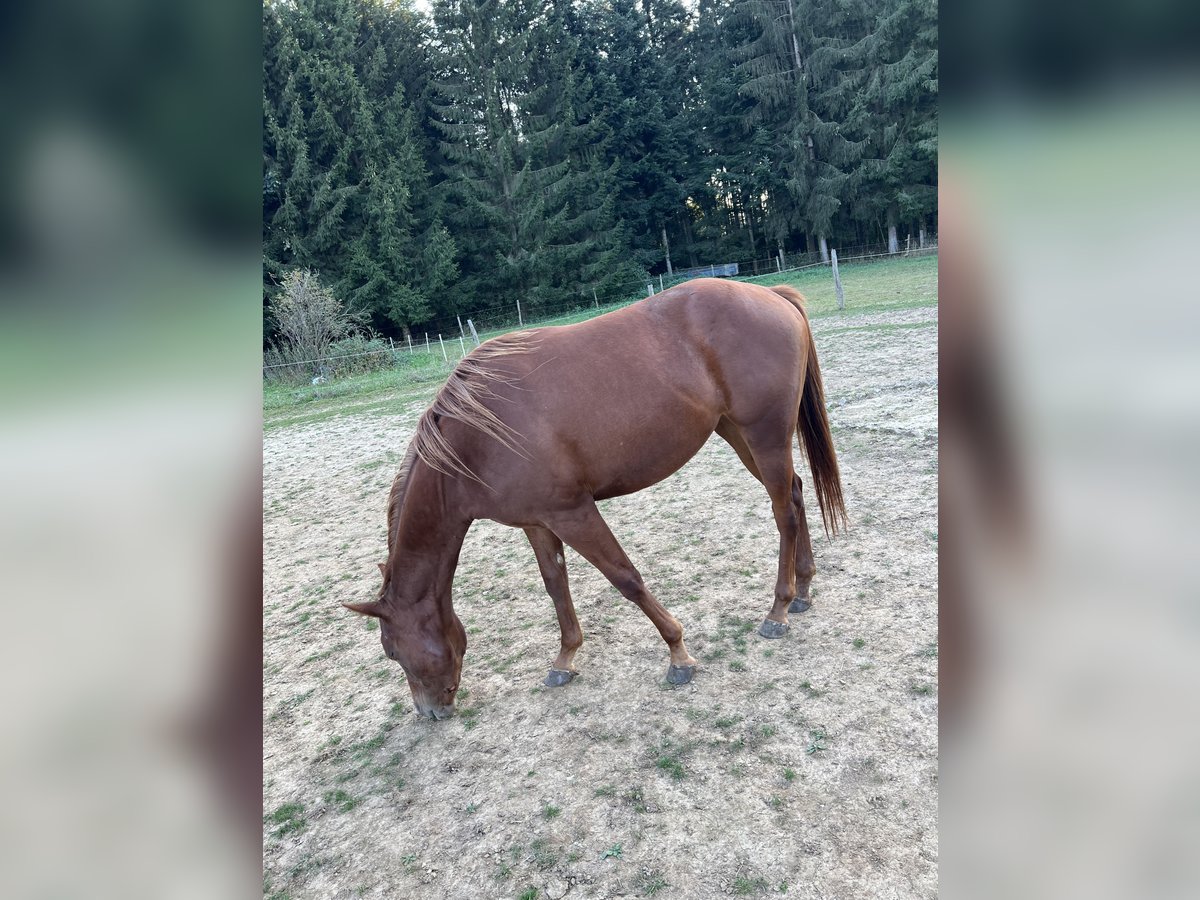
<point x="630" y="584"/>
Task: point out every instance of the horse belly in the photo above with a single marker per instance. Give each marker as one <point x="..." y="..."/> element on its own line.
<point x="632" y="463"/>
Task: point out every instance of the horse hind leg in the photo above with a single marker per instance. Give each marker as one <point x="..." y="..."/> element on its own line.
<point x="551" y="563"/>
<point x="804" y="566"/>
<point x="771" y="449"/>
<point x="585" y="530"/>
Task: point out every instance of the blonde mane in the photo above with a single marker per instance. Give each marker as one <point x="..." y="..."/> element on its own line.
<point x="463" y="398"/>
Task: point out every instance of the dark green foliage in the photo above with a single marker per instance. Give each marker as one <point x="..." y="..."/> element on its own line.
<point x="542" y="150"/>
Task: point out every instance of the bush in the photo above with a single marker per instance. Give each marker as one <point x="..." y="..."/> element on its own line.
<point x="349" y="356"/>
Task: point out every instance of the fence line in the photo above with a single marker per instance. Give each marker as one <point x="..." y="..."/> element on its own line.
<point x="574" y="307"/>
<point x="308" y="362"/>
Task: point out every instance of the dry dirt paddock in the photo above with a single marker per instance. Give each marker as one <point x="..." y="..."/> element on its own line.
<point x="803" y="767"/>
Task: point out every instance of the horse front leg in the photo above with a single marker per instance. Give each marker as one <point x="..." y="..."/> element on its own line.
<point x="585" y="530"/>
<point x="553" y="566"/>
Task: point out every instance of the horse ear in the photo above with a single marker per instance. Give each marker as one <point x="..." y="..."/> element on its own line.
<point x="383" y="569"/>
<point x="374" y="608"/>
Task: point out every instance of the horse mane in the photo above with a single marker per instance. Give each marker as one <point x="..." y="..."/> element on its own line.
<point x="396" y="496"/>
<point x="463" y="398"/>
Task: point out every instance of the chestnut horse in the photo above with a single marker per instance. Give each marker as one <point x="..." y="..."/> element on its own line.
<point x="532" y="428"/>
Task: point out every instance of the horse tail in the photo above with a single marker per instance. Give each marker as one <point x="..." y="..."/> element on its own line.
<point x="813" y="424"/>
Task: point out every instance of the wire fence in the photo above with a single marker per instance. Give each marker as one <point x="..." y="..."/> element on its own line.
<point x="439" y="345"/>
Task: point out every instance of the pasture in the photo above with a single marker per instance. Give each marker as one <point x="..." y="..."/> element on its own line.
<point x="804" y="767"/>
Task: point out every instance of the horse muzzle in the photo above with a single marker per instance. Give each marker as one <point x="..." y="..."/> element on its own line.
<point x="435" y="712"/>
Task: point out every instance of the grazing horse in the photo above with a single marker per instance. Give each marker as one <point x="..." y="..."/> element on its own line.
<point x="532" y="428"/>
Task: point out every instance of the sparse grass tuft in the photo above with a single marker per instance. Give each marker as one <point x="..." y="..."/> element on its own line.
<point x="550" y="811"/>
<point x="614" y="852"/>
<point x="742" y="886"/>
<point x="343" y="801"/>
<point x="672" y="766"/>
<point x="816" y="741"/>
<point x="652" y="883"/>
<point x="287" y="818"/>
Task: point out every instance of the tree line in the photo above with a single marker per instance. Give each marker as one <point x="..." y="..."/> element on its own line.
<point x="427" y="165"/>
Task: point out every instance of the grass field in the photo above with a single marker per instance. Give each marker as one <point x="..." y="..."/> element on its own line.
<point x="870" y="287"/>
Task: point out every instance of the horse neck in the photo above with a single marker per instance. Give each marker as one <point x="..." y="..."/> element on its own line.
<point x="429" y="535"/>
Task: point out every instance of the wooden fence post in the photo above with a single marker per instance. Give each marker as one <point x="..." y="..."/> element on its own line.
<point x="427" y="350"/>
<point x="649" y="290"/>
<point x="837" y="281"/>
<point x="474" y="333"/>
<point x="410" y="343"/>
<point x="520" y="320"/>
<point x="595" y="299"/>
<point x="462" y="341"/>
<point x="443" y="344"/>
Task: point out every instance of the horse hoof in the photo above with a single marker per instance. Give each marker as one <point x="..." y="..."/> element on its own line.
<point x="800" y="604"/>
<point x="680" y="674"/>
<point x="772" y="629"/>
<point x="559" y="677"/>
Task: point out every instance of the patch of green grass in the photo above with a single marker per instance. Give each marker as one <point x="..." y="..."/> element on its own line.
<point x="858" y="643"/>
<point x="652" y="883"/>
<point x="544" y="856"/>
<point x="789" y="775"/>
<point x="530" y="893"/>
<point x="325" y="654"/>
<point x="743" y="886"/>
<point x="636" y="799"/>
<point x="672" y="766"/>
<point x="613" y="852"/>
<point x="921" y="688"/>
<point x="816" y="741"/>
<point x="605" y="790"/>
<point x="550" y="811"/>
<point x="340" y="799"/>
<point x="736" y="665"/>
<point x="290" y="704"/>
<point x="287" y="819"/>
<point x="809" y="690"/>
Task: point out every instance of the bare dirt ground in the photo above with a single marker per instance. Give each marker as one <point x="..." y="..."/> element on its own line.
<point x="804" y="767"/>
